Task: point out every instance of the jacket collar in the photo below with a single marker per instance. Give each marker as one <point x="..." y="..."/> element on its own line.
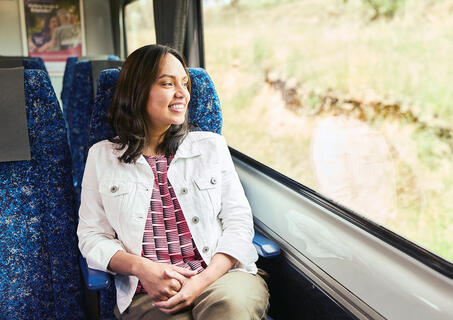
<point x="187" y="149"/>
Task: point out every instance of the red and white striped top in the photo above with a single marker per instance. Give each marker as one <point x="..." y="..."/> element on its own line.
<point x="167" y="237"/>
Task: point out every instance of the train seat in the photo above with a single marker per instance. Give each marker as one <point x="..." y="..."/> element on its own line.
<point x="68" y="76"/>
<point x="39" y="276"/>
<point x="27" y="62"/>
<point x="204" y="114"/>
<point x="78" y="111"/>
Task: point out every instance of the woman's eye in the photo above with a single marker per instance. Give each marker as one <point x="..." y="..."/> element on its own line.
<point x="185" y="84"/>
<point x="167" y="84"/>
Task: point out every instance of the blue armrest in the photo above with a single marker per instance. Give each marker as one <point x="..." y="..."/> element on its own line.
<point x="94" y="279"/>
<point x="266" y="248"/>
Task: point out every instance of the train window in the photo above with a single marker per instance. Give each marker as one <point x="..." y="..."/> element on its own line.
<point x="351" y="98"/>
<point x="140" y="28"/>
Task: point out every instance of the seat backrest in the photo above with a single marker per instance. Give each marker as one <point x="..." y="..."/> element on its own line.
<point x="39" y="277"/>
<point x="34" y="63"/>
<point x="204" y="113"/>
<point x="78" y="113"/>
<point x="204" y="105"/>
<point x="68" y="76"/>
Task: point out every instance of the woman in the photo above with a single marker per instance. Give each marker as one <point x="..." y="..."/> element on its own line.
<point x="180" y="245"/>
<point x="40" y="40"/>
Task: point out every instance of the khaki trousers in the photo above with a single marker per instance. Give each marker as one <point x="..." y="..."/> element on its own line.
<point x="235" y="296"/>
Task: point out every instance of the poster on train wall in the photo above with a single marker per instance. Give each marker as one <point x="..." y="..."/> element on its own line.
<point x="54" y="29"/>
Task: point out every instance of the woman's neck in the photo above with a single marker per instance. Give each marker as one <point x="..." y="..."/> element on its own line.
<point x="153" y="143"/>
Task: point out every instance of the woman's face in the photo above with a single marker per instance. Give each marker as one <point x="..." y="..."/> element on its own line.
<point x="53" y="23"/>
<point x="169" y="95"/>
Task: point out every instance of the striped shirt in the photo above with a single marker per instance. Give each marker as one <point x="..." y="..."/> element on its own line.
<point x="167" y="237"/>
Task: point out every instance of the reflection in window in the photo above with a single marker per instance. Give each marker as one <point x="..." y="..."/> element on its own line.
<point x="351" y="100"/>
<point x="140" y="29"/>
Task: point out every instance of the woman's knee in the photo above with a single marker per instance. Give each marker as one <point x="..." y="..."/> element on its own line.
<point x="236" y="295"/>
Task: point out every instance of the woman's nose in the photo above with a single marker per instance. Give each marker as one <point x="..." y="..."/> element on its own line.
<point x="182" y="91"/>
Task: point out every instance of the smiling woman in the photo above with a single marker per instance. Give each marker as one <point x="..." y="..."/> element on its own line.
<point x="145" y="216"/>
<point x="168" y="98"/>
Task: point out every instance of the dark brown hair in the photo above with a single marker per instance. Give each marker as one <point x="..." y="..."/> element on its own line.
<point x="127" y="113"/>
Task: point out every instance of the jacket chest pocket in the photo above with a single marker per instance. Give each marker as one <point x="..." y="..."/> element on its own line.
<point x="209" y="188"/>
<point x="116" y="198"/>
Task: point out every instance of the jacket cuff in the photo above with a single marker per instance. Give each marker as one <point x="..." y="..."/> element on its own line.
<point x="245" y="257"/>
<point x="99" y="257"/>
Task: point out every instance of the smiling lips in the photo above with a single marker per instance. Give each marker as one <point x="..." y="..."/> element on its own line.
<point x="177" y="107"/>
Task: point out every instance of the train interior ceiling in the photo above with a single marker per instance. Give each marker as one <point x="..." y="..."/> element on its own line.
<point x="332" y="264"/>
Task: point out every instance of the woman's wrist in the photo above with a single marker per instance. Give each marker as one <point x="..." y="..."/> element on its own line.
<point x="205" y="278"/>
<point x="138" y="265"/>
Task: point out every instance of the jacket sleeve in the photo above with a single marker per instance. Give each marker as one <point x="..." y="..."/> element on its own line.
<point x="97" y="239"/>
<point x="235" y="214"/>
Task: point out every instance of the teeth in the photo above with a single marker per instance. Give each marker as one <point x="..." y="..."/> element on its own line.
<point x="177" y="107"/>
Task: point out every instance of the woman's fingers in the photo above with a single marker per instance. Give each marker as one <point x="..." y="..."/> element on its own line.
<point x="185" y="272"/>
<point x="171" y="274"/>
<point x="173" y="304"/>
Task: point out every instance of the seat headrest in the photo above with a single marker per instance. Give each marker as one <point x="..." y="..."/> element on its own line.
<point x="98" y="65"/>
<point x="204" y="105"/>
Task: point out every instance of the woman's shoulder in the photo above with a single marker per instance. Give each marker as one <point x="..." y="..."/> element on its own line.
<point x="205" y="139"/>
<point x="205" y="142"/>
<point x="105" y="147"/>
<point x="102" y="145"/>
<point x="204" y="135"/>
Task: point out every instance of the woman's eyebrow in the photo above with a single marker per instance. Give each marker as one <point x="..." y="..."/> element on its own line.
<point x="170" y="76"/>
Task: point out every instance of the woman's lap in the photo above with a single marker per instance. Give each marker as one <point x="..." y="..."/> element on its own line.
<point x="236" y="295"/>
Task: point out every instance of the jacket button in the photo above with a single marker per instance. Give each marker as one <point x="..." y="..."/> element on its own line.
<point x="213" y="180"/>
<point x="195" y="220"/>
<point x="205" y="249"/>
<point x="184" y="190"/>
<point x="114" y="189"/>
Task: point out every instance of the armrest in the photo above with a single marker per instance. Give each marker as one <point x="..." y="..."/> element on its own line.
<point x="266" y="248"/>
<point x="94" y="279"/>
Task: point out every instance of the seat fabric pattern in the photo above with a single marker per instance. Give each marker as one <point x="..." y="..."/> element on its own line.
<point x="204" y="105"/>
<point x="34" y="63"/>
<point x="79" y="108"/>
<point x="68" y="78"/>
<point x="100" y="129"/>
<point x="204" y="113"/>
<point x="39" y="274"/>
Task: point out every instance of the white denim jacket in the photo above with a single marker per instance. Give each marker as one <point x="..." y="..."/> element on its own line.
<point x="116" y="196"/>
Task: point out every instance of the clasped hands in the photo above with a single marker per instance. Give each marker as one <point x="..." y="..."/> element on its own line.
<point x="171" y="288"/>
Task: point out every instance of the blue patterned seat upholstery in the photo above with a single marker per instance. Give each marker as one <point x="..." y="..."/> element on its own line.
<point x="100" y="129"/>
<point x="68" y="78"/>
<point x="204" y="105"/>
<point x="39" y="276"/>
<point x="78" y="112"/>
<point x="34" y="63"/>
